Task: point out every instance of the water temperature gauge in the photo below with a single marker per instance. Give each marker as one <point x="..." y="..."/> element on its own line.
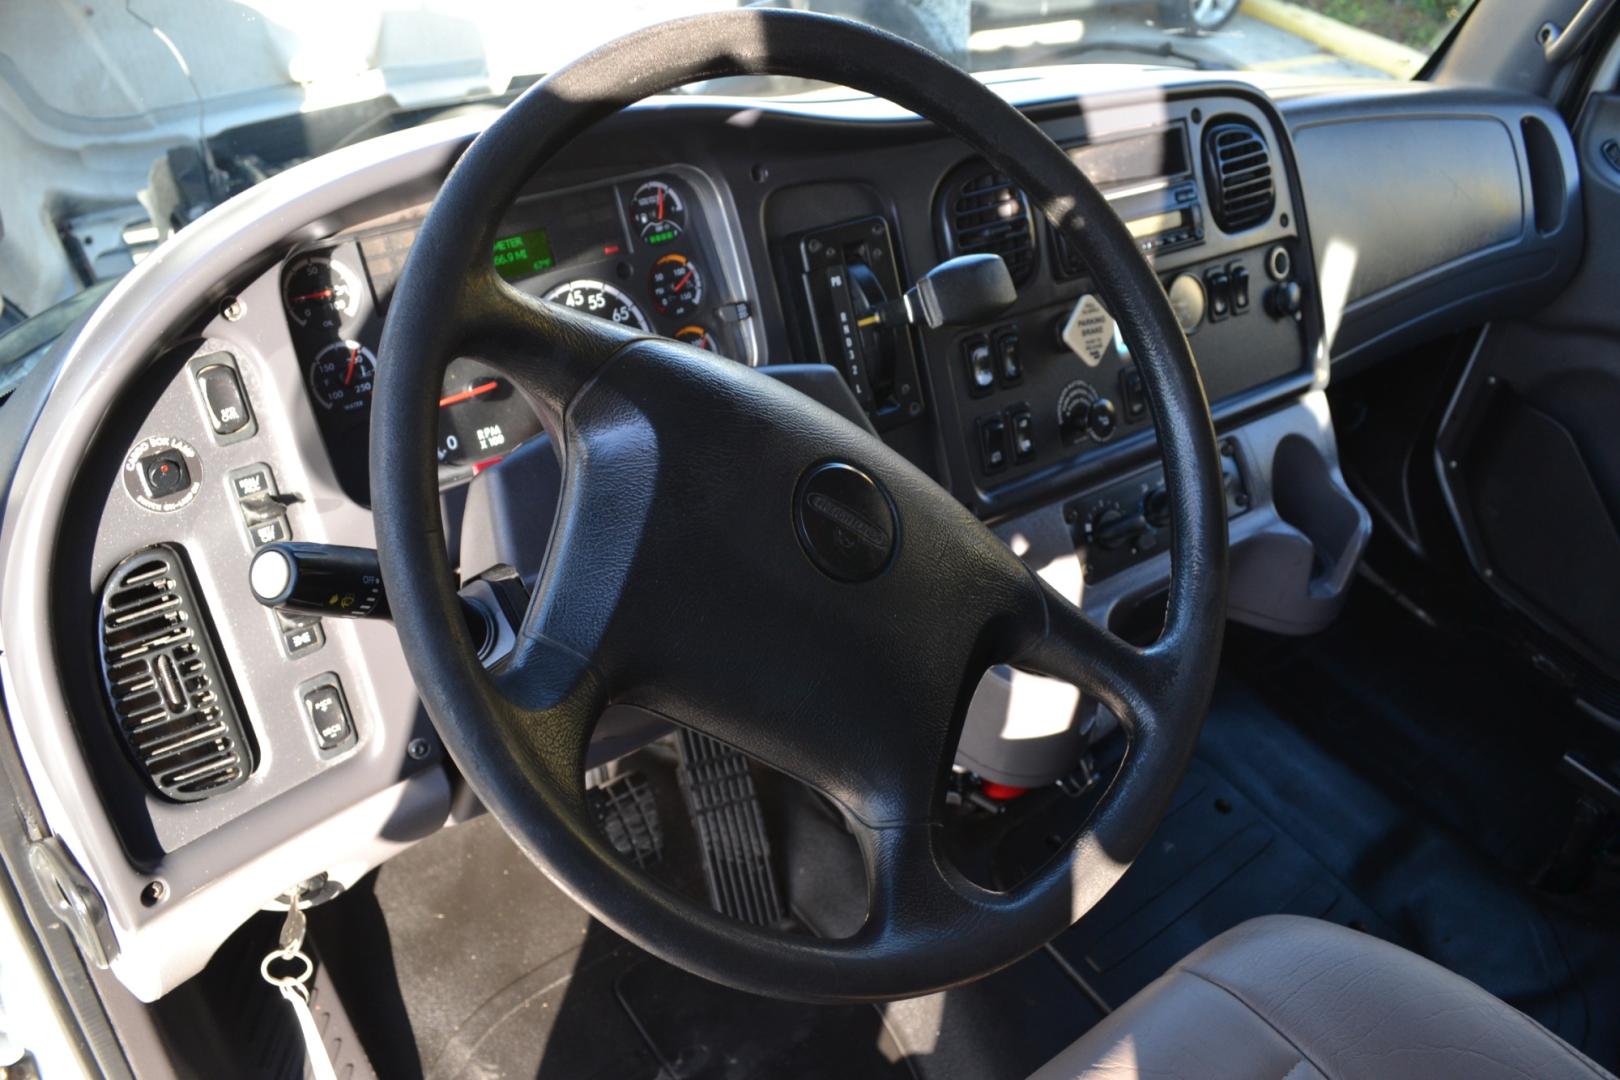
<point x="342" y="376"/>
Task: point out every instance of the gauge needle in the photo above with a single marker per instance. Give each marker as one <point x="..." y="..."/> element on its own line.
<point x="468" y="394"/>
<point x="348" y="372"/>
<point x="681" y="284"/>
<point x="660" y="204"/>
<point x="324" y="294"/>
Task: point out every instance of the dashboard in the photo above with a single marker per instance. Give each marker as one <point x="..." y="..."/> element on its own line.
<point x="222" y="395"/>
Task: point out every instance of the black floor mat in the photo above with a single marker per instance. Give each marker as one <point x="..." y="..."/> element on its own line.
<point x="1332" y="780"/>
<point x="1268" y="821"/>
<point x="462" y="960"/>
<point x="701" y="1029"/>
<point x="1216" y="861"/>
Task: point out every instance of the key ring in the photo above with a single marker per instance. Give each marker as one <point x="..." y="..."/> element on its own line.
<point x="292" y="955"/>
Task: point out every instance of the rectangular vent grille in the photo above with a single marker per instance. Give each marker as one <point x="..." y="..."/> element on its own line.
<point x="1237" y="167"/>
<point x="165" y="682"/>
<point x="990" y="214"/>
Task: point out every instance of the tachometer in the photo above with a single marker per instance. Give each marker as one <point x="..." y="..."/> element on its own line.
<point x="482" y="416"/>
<point x="342" y="376"/>
<point x="600" y="299"/>
<point x="320" y="291"/>
<point x="677" y="286"/>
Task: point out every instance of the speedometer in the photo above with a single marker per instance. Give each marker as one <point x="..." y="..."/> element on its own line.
<point x="600" y="299"/>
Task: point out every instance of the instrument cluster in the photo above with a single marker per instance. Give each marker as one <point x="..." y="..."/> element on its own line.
<point x="635" y="251"/>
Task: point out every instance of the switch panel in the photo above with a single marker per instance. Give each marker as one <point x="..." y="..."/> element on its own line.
<point x="265" y="521"/>
<point x="224" y="398"/>
<point x="993" y="443"/>
<point x="1127" y="521"/>
<point x="326" y="710"/>
<point x="980" y="365"/>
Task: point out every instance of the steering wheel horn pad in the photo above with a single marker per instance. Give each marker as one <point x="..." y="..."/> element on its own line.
<point x="846" y="521"/>
<point x="734" y="557"/>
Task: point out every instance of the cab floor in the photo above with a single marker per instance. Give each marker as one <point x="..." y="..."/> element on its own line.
<point x="1336" y="777"/>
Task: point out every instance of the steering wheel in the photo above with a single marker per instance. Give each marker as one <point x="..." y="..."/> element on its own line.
<point x="731" y="556"/>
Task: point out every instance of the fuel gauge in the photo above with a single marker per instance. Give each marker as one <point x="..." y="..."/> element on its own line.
<point x="658" y="212"/>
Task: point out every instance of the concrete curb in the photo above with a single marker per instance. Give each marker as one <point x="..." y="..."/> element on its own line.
<point x="1341" y="39"/>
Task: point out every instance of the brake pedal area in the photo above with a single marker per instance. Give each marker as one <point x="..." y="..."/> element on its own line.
<point x="627" y="810"/>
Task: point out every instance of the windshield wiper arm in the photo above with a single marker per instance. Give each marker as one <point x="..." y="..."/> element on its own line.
<point x="1164" y="50"/>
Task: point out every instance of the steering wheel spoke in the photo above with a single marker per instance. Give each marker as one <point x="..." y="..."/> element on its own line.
<point x="549" y="350"/>
<point x="1069" y="646"/>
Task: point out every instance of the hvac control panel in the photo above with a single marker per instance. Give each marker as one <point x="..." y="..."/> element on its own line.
<point x="1128" y="521"/>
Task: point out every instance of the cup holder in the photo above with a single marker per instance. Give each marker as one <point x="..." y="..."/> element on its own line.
<point x="1293" y="576"/>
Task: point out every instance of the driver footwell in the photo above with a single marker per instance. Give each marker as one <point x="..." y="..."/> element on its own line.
<point x="459" y="958"/>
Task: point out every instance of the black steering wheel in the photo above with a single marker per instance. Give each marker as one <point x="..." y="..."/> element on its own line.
<point x="734" y="557"/>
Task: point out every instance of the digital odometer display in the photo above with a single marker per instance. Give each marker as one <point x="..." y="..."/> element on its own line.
<point x="523" y="254"/>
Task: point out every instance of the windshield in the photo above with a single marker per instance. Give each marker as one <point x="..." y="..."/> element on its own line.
<point x="122" y="122"/>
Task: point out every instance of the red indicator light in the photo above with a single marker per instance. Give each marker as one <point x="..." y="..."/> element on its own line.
<point x="610" y="249"/>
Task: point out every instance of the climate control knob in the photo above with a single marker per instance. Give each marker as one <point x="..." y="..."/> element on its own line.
<point x="1112" y="528"/>
<point x="1103" y="421"/>
<point x="1076" y="420"/>
<point x="1074" y="411"/>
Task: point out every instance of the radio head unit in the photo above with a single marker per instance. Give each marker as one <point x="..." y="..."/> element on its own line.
<point x="1148" y="179"/>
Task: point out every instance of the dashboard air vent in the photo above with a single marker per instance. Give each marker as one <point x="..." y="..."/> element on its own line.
<point x="981" y="210"/>
<point x="165" y="682"/>
<point x="1237" y="170"/>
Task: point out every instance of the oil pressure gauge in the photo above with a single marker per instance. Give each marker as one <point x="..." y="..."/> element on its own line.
<point x="321" y="292"/>
<point x="677" y="286"/>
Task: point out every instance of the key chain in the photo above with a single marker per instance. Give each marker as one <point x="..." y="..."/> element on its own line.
<point x="294" y="986"/>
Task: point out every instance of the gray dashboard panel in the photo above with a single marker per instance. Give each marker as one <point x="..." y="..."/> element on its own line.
<point x="1433" y="210"/>
<point x="349" y="813"/>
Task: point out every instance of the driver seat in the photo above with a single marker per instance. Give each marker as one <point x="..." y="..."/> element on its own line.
<point x="1290" y="998"/>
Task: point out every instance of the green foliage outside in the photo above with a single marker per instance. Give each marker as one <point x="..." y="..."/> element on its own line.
<point x="1417" y="23"/>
